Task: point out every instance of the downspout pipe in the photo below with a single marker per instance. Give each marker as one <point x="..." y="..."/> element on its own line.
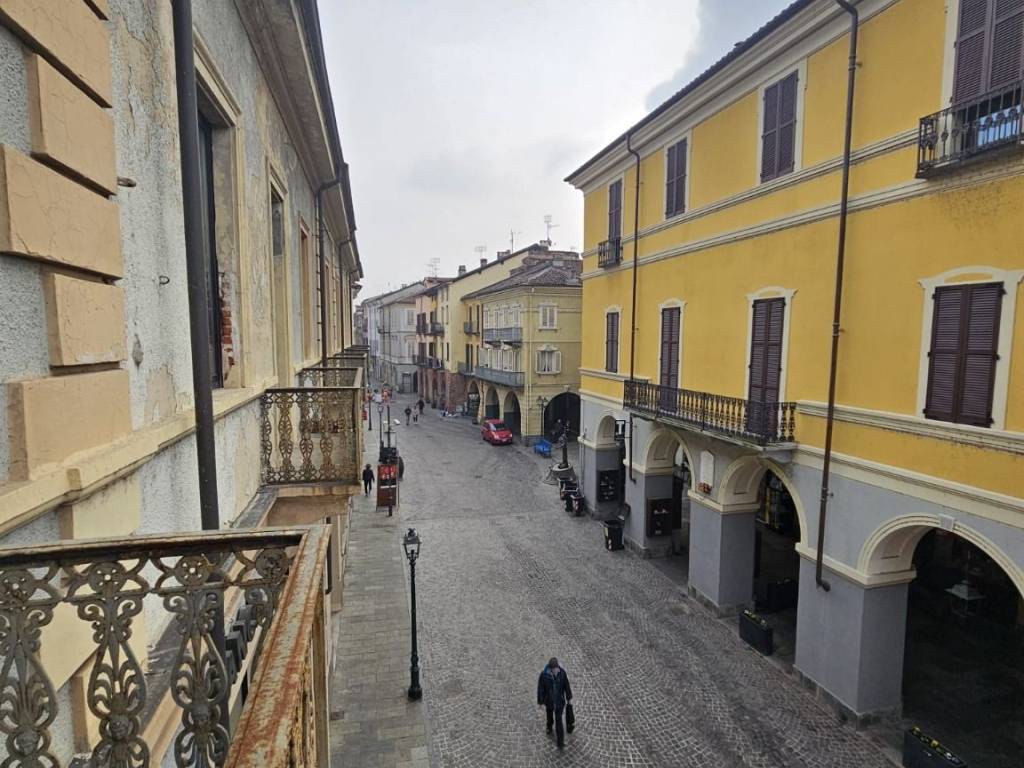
<point x="837" y="308"/>
<point x="339" y="178"/>
<point x="195" y="246"/>
<point x="632" y="306"/>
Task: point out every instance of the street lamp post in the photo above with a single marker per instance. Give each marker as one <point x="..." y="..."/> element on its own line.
<point x="411" y="545"/>
<point x="380" y="422"/>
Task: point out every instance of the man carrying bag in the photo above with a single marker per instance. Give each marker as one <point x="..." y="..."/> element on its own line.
<point x="554" y="694"/>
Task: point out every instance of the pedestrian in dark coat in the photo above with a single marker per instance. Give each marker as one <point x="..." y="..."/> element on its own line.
<point x="408" y="415"/>
<point x="367" y="480"/>
<point x="420" y="404"/>
<point x="401" y="468"/>
<point x="553" y="691"/>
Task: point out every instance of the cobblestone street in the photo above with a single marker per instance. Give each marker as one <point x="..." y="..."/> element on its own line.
<point x="506" y="579"/>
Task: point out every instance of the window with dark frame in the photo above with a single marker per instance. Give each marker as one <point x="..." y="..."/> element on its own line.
<point x="675" y="179"/>
<point x="615" y="209"/>
<point x="778" y="135"/>
<point x="611" y="342"/>
<point x="764" y="370"/>
<point x="213" y="303"/>
<point x="963" y="354"/>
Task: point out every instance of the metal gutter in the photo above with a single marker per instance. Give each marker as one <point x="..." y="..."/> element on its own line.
<point x="632" y="306"/>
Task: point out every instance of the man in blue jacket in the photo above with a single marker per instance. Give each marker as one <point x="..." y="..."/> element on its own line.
<point x="553" y="691"/>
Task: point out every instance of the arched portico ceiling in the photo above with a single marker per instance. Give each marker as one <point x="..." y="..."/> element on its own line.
<point x="661" y="448"/>
<point x="511" y="402"/>
<point x="890" y="547"/>
<point x="605" y="437"/>
<point x="741" y="484"/>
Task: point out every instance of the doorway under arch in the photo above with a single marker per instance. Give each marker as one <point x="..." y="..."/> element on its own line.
<point x="564" y="408"/>
<point x="512" y="417"/>
<point x="492" y="409"/>
<point x="473" y="400"/>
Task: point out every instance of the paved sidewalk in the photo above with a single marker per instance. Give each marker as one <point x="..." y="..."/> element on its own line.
<point x="373" y="723"/>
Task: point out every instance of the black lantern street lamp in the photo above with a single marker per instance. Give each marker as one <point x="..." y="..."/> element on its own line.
<point x="411" y="545"/>
<point x="369" y="415"/>
<point x="380" y="422"/>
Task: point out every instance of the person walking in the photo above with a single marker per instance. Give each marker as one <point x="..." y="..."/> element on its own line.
<point x="408" y="415"/>
<point x="554" y="693"/>
<point x="401" y="468"/>
<point x="420" y="404"/>
<point x="367" y="480"/>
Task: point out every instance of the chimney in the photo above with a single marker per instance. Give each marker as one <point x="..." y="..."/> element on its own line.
<point x="462" y="269"/>
<point x="483" y="262"/>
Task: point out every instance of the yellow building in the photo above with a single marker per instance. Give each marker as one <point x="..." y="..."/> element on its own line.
<point x="525" y="369"/>
<point x="712" y="230"/>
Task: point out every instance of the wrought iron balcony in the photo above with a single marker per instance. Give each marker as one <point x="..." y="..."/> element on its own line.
<point x="311" y="435"/>
<point x="436" y="363"/>
<point x="510" y="335"/>
<point x="470" y="328"/>
<point x="609" y="252"/>
<point x="245" y="663"/>
<point x="436" y="328"/>
<point x="760" y="423"/>
<point x="334" y="375"/>
<point x="508" y="378"/>
<point x="971" y="128"/>
<point x="421" y="327"/>
<point x="466" y="369"/>
<point x="422" y="360"/>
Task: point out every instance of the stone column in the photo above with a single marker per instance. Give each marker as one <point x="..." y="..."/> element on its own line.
<point x="849" y="640"/>
<point x="722" y="554"/>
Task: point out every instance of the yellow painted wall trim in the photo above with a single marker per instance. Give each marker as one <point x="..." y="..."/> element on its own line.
<point x="885" y="146"/>
<point x="998" y="440"/>
<point x="88" y="472"/>
<point x="874" y="199"/>
<point x="999" y="507"/>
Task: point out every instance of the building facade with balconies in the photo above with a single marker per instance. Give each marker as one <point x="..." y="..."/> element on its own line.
<point x="706" y="423"/>
<point x="114" y="638"/>
<point x="526" y="362"/>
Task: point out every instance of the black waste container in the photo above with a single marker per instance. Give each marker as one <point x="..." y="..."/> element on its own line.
<point x="612" y="535"/>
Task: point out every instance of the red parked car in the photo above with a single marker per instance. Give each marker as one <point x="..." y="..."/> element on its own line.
<point x="495" y="432"/>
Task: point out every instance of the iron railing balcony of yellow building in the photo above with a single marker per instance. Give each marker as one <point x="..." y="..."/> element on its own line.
<point x="466" y="369"/>
<point x="498" y="376"/>
<point x="435" y="328"/>
<point x="242" y="664"/>
<point x="745" y="420"/>
<point x="952" y="136"/>
<point x="469" y="327"/>
<point x="510" y="335"/>
<point x="436" y="363"/>
<point x="609" y="252"/>
<point x="422" y="360"/>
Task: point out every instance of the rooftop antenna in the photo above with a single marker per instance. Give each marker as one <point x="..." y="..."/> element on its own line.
<point x="480" y="251"/>
<point x="512" y="239"/>
<point x="549" y="226"/>
<point x="432" y="266"/>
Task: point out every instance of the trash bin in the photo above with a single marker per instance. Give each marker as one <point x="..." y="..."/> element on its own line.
<point x="612" y="535"/>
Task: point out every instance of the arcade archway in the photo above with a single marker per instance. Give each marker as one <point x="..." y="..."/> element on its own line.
<point x="492" y="409"/>
<point x="512" y="416"/>
<point x="564" y="408"/>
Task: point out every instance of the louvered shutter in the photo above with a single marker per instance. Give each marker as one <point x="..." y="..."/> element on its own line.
<point x="765" y="368"/>
<point x="969" y="79"/>
<point x="669" y="374"/>
<point x="557" y="362"/>
<point x="943" y="358"/>
<point x="769" y="135"/>
<point x="979" y="353"/>
<point x="680" y="191"/>
<point x="787" y="125"/>
<point x="611" y="350"/>
<point x="670" y="186"/>
<point x="615" y="210"/>
<point x="1007" y="61"/>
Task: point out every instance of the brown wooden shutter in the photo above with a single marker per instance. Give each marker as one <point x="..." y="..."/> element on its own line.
<point x="766" y="350"/>
<point x="786" y="152"/>
<point x="615" y="210"/>
<point x="963" y="355"/>
<point x="675" y="179"/>
<point x="970" y="78"/>
<point x="611" y="349"/>
<point x="669" y="373"/>
<point x="769" y="135"/>
<point x="1007" y="62"/>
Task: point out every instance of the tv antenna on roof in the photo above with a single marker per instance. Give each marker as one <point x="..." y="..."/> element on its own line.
<point x="549" y="226"/>
<point x="480" y="251"/>
<point x="512" y="239"/>
<point x="432" y="266"/>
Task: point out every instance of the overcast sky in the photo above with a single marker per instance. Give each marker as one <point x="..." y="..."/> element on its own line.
<point x="461" y="118"/>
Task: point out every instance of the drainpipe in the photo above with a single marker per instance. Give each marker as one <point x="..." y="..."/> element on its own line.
<point x="632" y="306"/>
<point x="840" y="258"/>
<point x="195" y="245"/>
<point x="342" y="300"/>
<point x="338" y="179"/>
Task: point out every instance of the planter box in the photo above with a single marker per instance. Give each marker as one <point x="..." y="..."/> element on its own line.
<point x="761" y="638"/>
<point x="918" y="752"/>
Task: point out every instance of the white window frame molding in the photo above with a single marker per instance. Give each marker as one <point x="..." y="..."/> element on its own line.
<point x="676" y="138"/>
<point x="973" y="275"/>
<point x="798" y="139"/>
<point x="672" y="304"/>
<point x="949" y="50"/>
<point x="540" y="317"/>
<point x="616" y="309"/>
<point x="769" y="292"/>
<point x="556" y="359"/>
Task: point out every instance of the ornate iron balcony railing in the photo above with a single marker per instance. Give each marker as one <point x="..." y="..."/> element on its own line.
<point x="962" y="131"/>
<point x="331" y="376"/>
<point x="436" y="329"/>
<point x="609" y="252"/>
<point x="436" y="363"/>
<point x="466" y="369"/>
<point x="470" y="328"/>
<point x="760" y="423"/>
<point x="311" y="435"/>
<point x="511" y="334"/>
<point x="508" y="378"/>
<point x="230" y="595"/>
<point x="422" y="360"/>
